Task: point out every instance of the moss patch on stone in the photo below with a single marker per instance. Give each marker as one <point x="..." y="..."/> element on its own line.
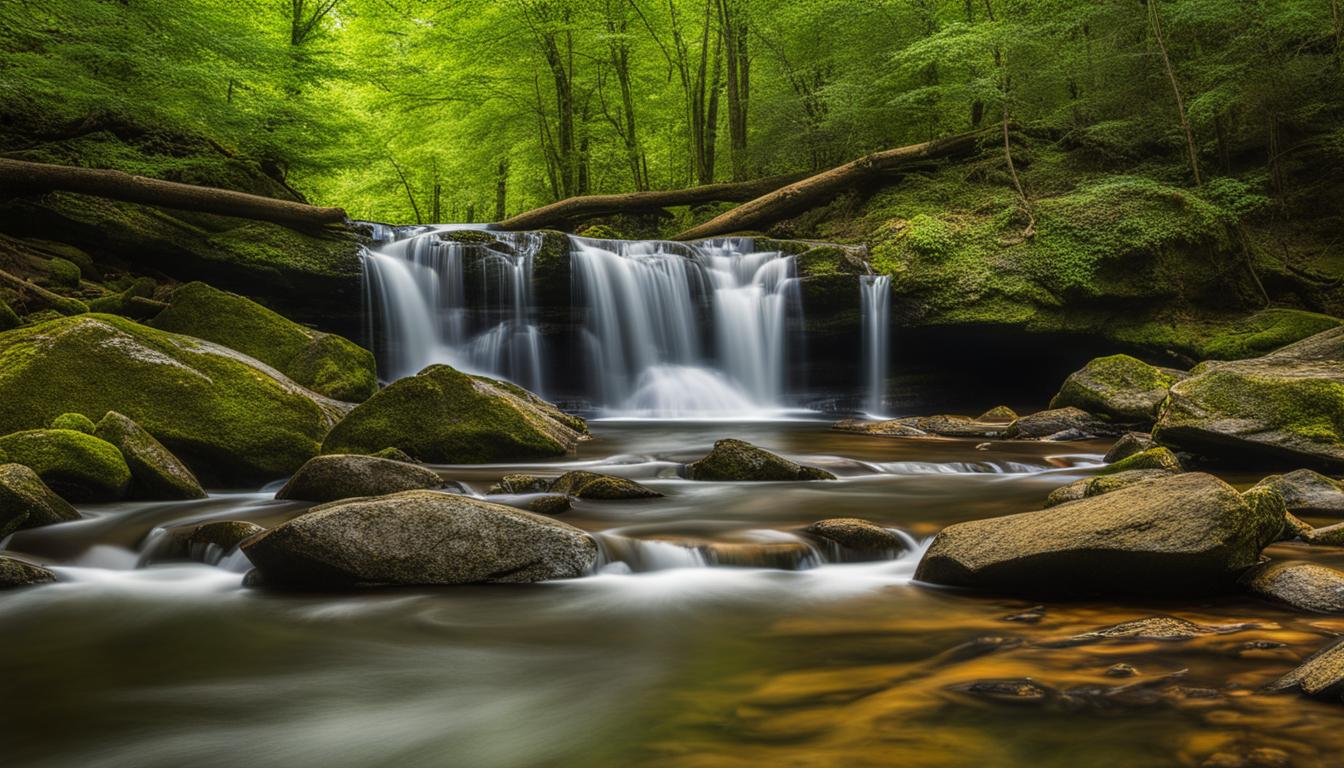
<point x="77" y="466"/>
<point x="155" y="472"/>
<point x="1153" y="458"/>
<point x="1117" y="387"/>
<point x="63" y="272"/>
<point x="76" y="421"/>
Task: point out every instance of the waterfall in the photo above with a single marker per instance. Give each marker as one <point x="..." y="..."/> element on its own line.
<point x="875" y="300"/>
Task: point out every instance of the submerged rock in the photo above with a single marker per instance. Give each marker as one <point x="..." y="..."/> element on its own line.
<point x="1095" y="486"/>
<point x="521" y="483"/>
<point x="1044" y="424"/>
<point x="1305" y="586"/>
<point x="77" y="466"/>
<point x="1284" y="408"/>
<point x="444" y="416"/>
<point x="1130" y="541"/>
<point x="325" y="363"/>
<point x="346" y="476"/>
<point x="1306" y="492"/>
<point x="204" y="543"/>
<point x="18" y="573"/>
<point x="155" y="472"/>
<point x="1129" y="444"/>
<point x="418" y="537"/>
<point x="26" y="502"/>
<point x="1321" y="675"/>
<point x="1153" y="458"/>
<point x="1119" y="387"/>
<point x="736" y="460"/>
<point x="867" y="541"/>
<point x="591" y="485"/>
<point x="229" y="417"/>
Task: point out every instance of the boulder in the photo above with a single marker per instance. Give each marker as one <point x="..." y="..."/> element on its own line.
<point x="76" y="421"/>
<point x="1285" y="408"/>
<point x="229" y="417"/>
<point x="857" y="539"/>
<point x="17" y="573"/>
<point x="444" y="416"/>
<point x="546" y="503"/>
<point x="591" y="485"/>
<point x="1305" y="586"/>
<point x="1306" y="492"/>
<point x="888" y="428"/>
<point x="1129" y="444"/>
<point x="1095" y="486"/>
<point x="418" y="537"/>
<point x="521" y="483"/>
<point x="1041" y="424"/>
<point x="26" y="502"/>
<point x="1185" y="533"/>
<point x="1321" y="675"/>
<point x="998" y="414"/>
<point x="1153" y="458"/>
<point x="77" y="466"/>
<point x="323" y="362"/>
<point x="734" y="460"/>
<point x="344" y="476"/>
<point x="1119" y="387"/>
<point x="204" y="543"/>
<point x="395" y="454"/>
<point x="155" y="472"/>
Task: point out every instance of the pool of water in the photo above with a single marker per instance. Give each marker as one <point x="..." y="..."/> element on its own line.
<point x="655" y="659"/>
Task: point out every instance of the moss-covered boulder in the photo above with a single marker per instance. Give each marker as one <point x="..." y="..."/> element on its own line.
<point x="19" y="573"/>
<point x="1286" y="407"/>
<point x="855" y="540"/>
<point x="325" y="363"/>
<point x="418" y="537"/>
<point x="592" y="485"/>
<point x="77" y="466"/>
<point x="444" y="416"/>
<point x="63" y="272"/>
<point x="395" y="454"/>
<point x="1057" y="423"/>
<point x="1306" y="492"/>
<point x="737" y="460"/>
<point x="342" y="476"/>
<point x="1153" y="458"/>
<point x="26" y="502"/>
<point x="227" y="416"/>
<point x="516" y="483"/>
<point x="998" y="414"/>
<point x="1189" y="533"/>
<point x="1119" y="387"/>
<point x="1095" y="486"/>
<point x="76" y="421"/>
<point x="155" y="472"/>
<point x="1129" y="444"/>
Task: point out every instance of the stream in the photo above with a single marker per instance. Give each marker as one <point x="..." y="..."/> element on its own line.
<point x="659" y="658"/>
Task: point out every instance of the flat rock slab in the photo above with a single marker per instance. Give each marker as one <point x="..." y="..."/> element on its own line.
<point x="1305" y="492"/>
<point x="1321" y="675"/>
<point x="1305" y="586"/>
<point x="1153" y="629"/>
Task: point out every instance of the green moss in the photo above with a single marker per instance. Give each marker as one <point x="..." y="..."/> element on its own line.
<point x="591" y="485"/>
<point x="1118" y="387"/>
<point x="63" y="272"/>
<point x="75" y="421"/>
<point x="77" y="466"/>
<point x="600" y="232"/>
<point x="228" y="419"/>
<point x="395" y="454"/>
<point x="325" y="363"/>
<point x="737" y="460"/>
<point x="1265" y="332"/>
<point x="8" y="317"/>
<point x="441" y="415"/>
<point x="1153" y="458"/>
<point x="155" y="472"/>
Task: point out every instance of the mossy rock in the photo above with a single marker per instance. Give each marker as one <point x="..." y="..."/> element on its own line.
<point x="136" y="301"/>
<point x="1118" y="387"/>
<point x="1153" y="458"/>
<point x="738" y="460"/>
<point x="226" y="416"/>
<point x="18" y="573"/>
<point x="325" y="363"/>
<point x="63" y="272"/>
<point x="155" y="472"/>
<point x="999" y="413"/>
<point x="395" y="454"/>
<point x="1264" y="332"/>
<point x="1129" y="444"/>
<point x="76" y="421"/>
<point x="77" y="466"/>
<point x="442" y="415"/>
<point x="27" y="502"/>
<point x="592" y="485"/>
<point x="337" y="476"/>
<point x="519" y="483"/>
<point x="8" y="317"/>
<point x="1095" y="486"/>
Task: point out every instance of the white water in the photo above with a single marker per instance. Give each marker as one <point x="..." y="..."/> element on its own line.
<point x="875" y="300"/>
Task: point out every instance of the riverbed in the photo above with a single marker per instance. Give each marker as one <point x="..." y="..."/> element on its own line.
<point x="661" y="657"/>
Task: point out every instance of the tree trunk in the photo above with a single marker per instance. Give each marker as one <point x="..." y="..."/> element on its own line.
<point x="501" y="188"/>
<point x="1155" y="20"/>
<point x="18" y="176"/>
<point x="823" y="187"/>
<point x="739" y="84"/>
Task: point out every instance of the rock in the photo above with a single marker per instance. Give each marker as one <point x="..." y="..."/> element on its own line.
<point x="591" y="485"/>
<point x="1285" y="408"/>
<point x="1161" y="629"/>
<point x="76" y="421"/>
<point x="1129" y="444"/>
<point x="204" y="543"/>
<point x="997" y="414"/>
<point x="395" y="454"/>
<point x="1121" y="670"/>
<point x="1307" y="493"/>
<point x="888" y="428"/>
<point x="548" y="503"/>
<point x="1095" y="486"/>
<point x="77" y="466"/>
<point x="63" y="272"/>
<point x="26" y="502"/>
<point x="736" y="460"/>
<point x="781" y="555"/>
<point x="520" y="483"/>
<point x="325" y="363"/>
<point x="1119" y="387"/>
<point x="1186" y="533"/>
<point x="858" y="540"/>
<point x="1326" y="535"/>
<point x="1296" y="528"/>
<point x="1268" y="504"/>
<point x="1046" y="423"/>
<point x="1321" y="675"/>
<point x="418" y="537"/>
<point x="1066" y="435"/>
<point x="953" y="426"/>
<point x="229" y="417"/>
<point x="344" y="476"/>
<point x="1305" y="586"/>
<point x="155" y="472"/>
<point x="1153" y="458"/>
<point x="17" y="573"/>
<point x="8" y="317"/>
<point x="443" y="416"/>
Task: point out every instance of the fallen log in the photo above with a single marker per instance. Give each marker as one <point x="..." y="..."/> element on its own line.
<point x="823" y="187"/>
<point x="572" y="210"/>
<point x="21" y="176"/>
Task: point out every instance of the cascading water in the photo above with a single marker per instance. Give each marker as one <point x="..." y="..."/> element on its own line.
<point x="875" y="300"/>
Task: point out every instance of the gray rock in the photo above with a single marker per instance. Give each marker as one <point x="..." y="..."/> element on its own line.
<point x="418" y="537"/>
<point x="858" y="539"/>
<point x="1321" y="675"/>
<point x="1305" y="586"/>
<point x="1129" y="444"/>
<point x="1067" y="435"/>
<point x="17" y="573"/>
<point x="733" y="460"/>
<point x="1041" y="424"/>
<point x="1187" y="533"/>
<point x="591" y="485"/>
<point x="348" y="476"/>
<point x="155" y="472"/>
<point x="1305" y="492"/>
<point x="26" y="502"/>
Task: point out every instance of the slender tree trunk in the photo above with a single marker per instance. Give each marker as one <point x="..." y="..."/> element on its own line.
<point x="1155" y="22"/>
<point x="406" y="185"/>
<point x="501" y="188"/>
<point x="734" y="30"/>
